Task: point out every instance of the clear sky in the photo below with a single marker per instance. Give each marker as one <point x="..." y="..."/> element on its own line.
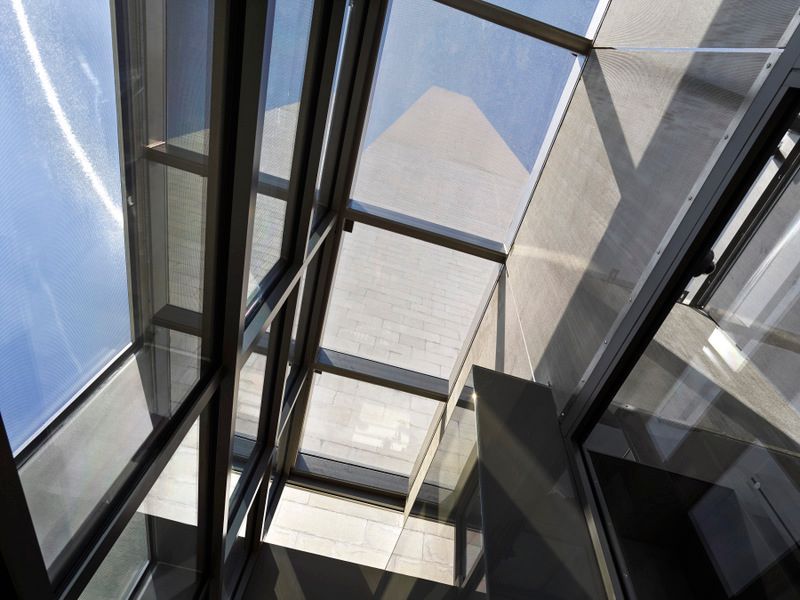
<point x="63" y="286"/>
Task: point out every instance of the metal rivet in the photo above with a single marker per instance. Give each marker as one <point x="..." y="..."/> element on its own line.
<point x="690" y="198"/>
<point x="725" y="137"/>
<point x="769" y="65"/>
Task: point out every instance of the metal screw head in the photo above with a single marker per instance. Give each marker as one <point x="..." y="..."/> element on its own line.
<point x="690" y="198"/>
<point x="769" y="65"/>
<point x="725" y="137"/>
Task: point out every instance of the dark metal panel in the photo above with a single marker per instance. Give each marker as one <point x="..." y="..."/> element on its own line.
<point x="512" y="20"/>
<point x="362" y="369"/>
<point x="522" y="459"/>
<point x="447" y="237"/>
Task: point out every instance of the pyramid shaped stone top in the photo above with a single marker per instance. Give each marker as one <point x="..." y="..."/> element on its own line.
<point x="443" y="161"/>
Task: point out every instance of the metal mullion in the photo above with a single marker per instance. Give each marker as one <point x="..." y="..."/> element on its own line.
<point x="522" y="24"/>
<point x="71" y="579"/>
<point x="307" y="145"/>
<point x="19" y="545"/>
<point x="241" y="51"/>
<point x="426" y="231"/>
<point x="272" y="185"/>
<point x="271" y="396"/>
<point x="268" y="309"/>
<point x="177" y="158"/>
<point x="389" y="376"/>
<point x="363" y="74"/>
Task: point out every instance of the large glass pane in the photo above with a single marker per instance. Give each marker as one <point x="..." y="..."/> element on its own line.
<point x="459" y="112"/>
<point x="184" y="71"/>
<point x="287" y="61"/>
<point x="247" y="414"/>
<point x="404" y="302"/>
<point x="647" y="123"/>
<point x="100" y="267"/>
<point x="267" y="240"/>
<point x="690" y="24"/>
<point x="572" y="15"/>
<point x="284" y="69"/>
<point x="161" y="535"/>
<point x="358" y="423"/>
<point x="698" y="455"/>
<point x="64" y="294"/>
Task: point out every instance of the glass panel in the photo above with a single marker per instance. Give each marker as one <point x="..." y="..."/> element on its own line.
<point x="64" y="295"/>
<point x="454" y="128"/>
<point x="183" y="232"/>
<point x="321" y="201"/>
<point x="162" y="534"/>
<point x="284" y="69"/>
<point x="123" y="565"/>
<point x="697" y="455"/>
<point x="647" y="124"/>
<point x="185" y="29"/>
<point x="285" y="83"/>
<point x="247" y="413"/>
<point x="335" y="527"/>
<point x="77" y="469"/>
<point x="363" y="424"/>
<point x="404" y="302"/>
<point x="267" y="240"/>
<point x="689" y="24"/>
<point x="572" y="15"/>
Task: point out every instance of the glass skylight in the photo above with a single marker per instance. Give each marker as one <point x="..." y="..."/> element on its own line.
<point x="459" y="112"/>
<point x="404" y="302"/>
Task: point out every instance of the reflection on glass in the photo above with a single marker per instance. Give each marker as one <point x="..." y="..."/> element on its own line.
<point x="247" y="413"/>
<point x="162" y="535"/>
<point x="123" y="565"/>
<point x="363" y="424"/>
<point x="404" y="302"/>
<point x="284" y="69"/>
<point x="321" y="201"/>
<point x="267" y="240"/>
<point x="698" y="454"/>
<point x="64" y="294"/>
<point x="184" y="26"/>
<point x="182" y="197"/>
<point x="455" y="127"/>
<point x="287" y="61"/>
